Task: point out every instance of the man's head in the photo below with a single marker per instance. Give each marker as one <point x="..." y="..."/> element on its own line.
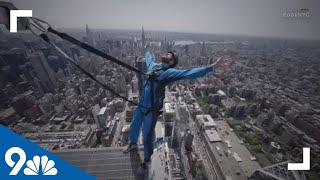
<point x="169" y="59"/>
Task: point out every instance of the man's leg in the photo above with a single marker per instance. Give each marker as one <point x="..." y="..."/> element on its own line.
<point x="148" y="135"/>
<point x="149" y="124"/>
<point x="134" y="130"/>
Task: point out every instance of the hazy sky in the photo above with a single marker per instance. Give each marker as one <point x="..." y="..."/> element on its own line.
<point x="248" y="17"/>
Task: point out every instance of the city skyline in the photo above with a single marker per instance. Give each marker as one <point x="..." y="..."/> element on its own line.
<point x="264" y="19"/>
<point x="245" y="121"/>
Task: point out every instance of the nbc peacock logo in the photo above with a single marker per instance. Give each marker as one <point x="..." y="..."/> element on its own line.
<point x="47" y="166"/>
<point x="36" y="166"/>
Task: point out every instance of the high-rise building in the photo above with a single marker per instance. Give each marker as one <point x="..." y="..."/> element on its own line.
<point x="135" y="84"/>
<point x="89" y="39"/>
<point x="75" y="52"/>
<point x="141" y="65"/>
<point x="183" y="111"/>
<point x="26" y="71"/>
<point x="102" y="117"/>
<point x="10" y="61"/>
<point x="89" y="34"/>
<point x="186" y="49"/>
<point x="87" y="30"/>
<point x="203" y="49"/>
<point x="43" y="71"/>
<point x="8" y="75"/>
<point x="105" y="163"/>
<point x="38" y="84"/>
<point x="95" y="110"/>
<point x="205" y="121"/>
<point x="143" y="42"/>
<point x="8" y="116"/>
<point x="23" y="102"/>
<point x="188" y="138"/>
<point x="169" y="116"/>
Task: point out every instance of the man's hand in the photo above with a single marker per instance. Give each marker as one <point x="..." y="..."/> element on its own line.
<point x="222" y="62"/>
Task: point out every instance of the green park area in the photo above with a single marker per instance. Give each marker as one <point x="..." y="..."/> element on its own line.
<point x="203" y="102"/>
<point x="255" y="142"/>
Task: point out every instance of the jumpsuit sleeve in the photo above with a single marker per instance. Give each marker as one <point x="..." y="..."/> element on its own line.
<point x="149" y="61"/>
<point x="192" y="73"/>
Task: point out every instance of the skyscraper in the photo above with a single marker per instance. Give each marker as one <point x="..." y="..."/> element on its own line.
<point x="38" y="84"/>
<point x="7" y="74"/>
<point x="87" y="30"/>
<point x="169" y="116"/>
<point x="89" y="37"/>
<point x="188" y="138"/>
<point x="143" y="42"/>
<point x="10" y="61"/>
<point x="102" y="117"/>
<point x="203" y="49"/>
<point x="75" y="52"/>
<point x="186" y="49"/>
<point x="141" y="65"/>
<point x="43" y="71"/>
<point x="95" y="111"/>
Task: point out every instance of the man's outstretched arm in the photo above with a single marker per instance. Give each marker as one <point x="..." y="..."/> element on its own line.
<point x="149" y="59"/>
<point x="193" y="73"/>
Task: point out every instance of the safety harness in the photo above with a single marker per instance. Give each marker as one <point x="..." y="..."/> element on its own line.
<point x="159" y="91"/>
<point x="155" y="109"/>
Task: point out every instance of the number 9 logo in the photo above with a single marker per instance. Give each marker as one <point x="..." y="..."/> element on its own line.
<point x="16" y="165"/>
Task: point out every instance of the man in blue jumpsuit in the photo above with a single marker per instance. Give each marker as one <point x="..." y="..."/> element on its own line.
<point x="163" y="74"/>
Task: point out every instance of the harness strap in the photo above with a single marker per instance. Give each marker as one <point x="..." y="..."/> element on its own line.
<point x="46" y="38"/>
<point x="93" y="50"/>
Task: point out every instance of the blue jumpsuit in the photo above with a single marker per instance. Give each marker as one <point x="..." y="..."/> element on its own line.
<point x="142" y="115"/>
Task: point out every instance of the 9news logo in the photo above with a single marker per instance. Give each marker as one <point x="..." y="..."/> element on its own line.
<point x="34" y="166"/>
<point x="22" y="159"/>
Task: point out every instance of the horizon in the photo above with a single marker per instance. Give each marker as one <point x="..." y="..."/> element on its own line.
<point x="192" y="33"/>
<point x="245" y="18"/>
<point x="186" y="32"/>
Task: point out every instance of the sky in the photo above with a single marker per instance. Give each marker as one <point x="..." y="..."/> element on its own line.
<point x="239" y="17"/>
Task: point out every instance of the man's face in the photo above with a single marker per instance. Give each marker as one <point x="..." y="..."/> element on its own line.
<point x="166" y="59"/>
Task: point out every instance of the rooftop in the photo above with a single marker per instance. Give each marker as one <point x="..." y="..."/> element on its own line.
<point x="169" y="108"/>
<point x="206" y="120"/>
<point x="6" y="113"/>
<point x="213" y="135"/>
<point x="61" y="118"/>
<point x="159" y="130"/>
<point x="221" y="93"/>
<point x="104" y="163"/>
<point x="102" y="111"/>
<point x="110" y="163"/>
<point x="228" y="166"/>
<point x="239" y="150"/>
